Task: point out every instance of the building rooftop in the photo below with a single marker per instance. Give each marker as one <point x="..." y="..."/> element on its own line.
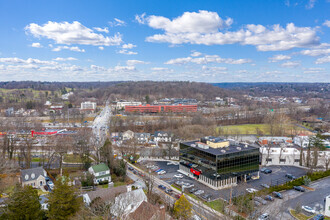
<point x="100" y="167"/>
<point x="232" y="148"/>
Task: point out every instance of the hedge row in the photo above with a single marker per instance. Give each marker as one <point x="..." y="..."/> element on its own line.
<point x="300" y="181"/>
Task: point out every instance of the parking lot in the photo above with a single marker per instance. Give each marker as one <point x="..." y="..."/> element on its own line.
<point x="277" y="177"/>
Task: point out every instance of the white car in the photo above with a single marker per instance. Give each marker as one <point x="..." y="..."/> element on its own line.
<point x="308" y="209"/>
<point x="251" y="190"/>
<point x="263" y="216"/>
<point x="161" y="172"/>
<point x="178" y="176"/>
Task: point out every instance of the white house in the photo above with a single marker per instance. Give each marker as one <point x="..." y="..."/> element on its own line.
<point x="121" y="105"/>
<point x="101" y="173"/>
<point x="327" y="206"/>
<point x="161" y="136"/>
<point x="127" y="203"/>
<point x="88" y="106"/>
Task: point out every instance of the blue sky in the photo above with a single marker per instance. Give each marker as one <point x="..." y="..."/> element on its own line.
<point x="205" y="41"/>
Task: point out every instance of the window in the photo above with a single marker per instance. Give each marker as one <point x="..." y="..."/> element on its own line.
<point x="282" y="160"/>
<point x="269" y="159"/>
<point x="40" y="183"/>
<point x="296" y="160"/>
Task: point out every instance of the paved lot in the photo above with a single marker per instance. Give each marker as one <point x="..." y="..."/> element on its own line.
<point x="279" y="209"/>
<point x="275" y="178"/>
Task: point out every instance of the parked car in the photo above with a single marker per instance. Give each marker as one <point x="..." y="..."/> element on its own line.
<point x="290" y="176"/>
<point x="50" y="184"/>
<point x="277" y="195"/>
<point x="299" y="188"/>
<point x="178" y="176"/>
<point x="269" y="198"/>
<point x="318" y="217"/>
<point x="256" y="203"/>
<point x="308" y="209"/>
<point x="251" y="190"/>
<point x="265" y="185"/>
<point x="161" y="172"/>
<point x="177" y="196"/>
<point x="187" y="185"/>
<point x="135" y="172"/>
<point x="180" y="183"/>
<point x="261" y="200"/>
<point x="263" y="216"/>
<point x="169" y="191"/>
<point x="161" y="187"/>
<point x="156" y="171"/>
<point x="193" y="190"/>
<point x="196" y="217"/>
<point x="263" y="169"/>
<point x="199" y="192"/>
<point x="267" y="171"/>
<point x="206" y="197"/>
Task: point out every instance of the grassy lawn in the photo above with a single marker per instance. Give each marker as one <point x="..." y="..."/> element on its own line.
<point x="71" y="158"/>
<point x="40" y="192"/>
<point x="245" y="129"/>
<point x="217" y="205"/>
<point x="252" y="129"/>
<point x="119" y="183"/>
<point x="174" y="186"/>
<point x="300" y="216"/>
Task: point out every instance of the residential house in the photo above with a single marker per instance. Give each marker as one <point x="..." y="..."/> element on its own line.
<point x="35" y="177"/>
<point x="148" y="211"/>
<point x="107" y="195"/>
<point x="101" y="173"/>
<point x="127" y="135"/>
<point x="127" y="203"/>
<point x="327" y="206"/>
<point x="142" y="138"/>
<point x="162" y="136"/>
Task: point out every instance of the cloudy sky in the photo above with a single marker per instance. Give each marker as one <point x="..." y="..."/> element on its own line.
<point x="206" y="41"/>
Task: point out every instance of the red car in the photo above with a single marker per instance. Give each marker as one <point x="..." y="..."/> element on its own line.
<point x="177" y="196"/>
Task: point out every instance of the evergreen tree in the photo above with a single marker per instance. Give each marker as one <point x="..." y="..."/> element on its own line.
<point x="182" y="208"/>
<point x="23" y="204"/>
<point x="63" y="201"/>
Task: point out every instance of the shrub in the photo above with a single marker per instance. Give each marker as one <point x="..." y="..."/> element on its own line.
<point x="103" y="182"/>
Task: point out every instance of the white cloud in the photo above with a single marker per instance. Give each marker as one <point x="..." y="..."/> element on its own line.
<point x="16" y="60"/>
<point x="310" y="4"/>
<point x="124" y="68"/>
<point x="98" y="68"/>
<point x="76" y="49"/>
<point x="128" y="46"/>
<point x="37" y="45"/>
<point x="71" y="33"/>
<point x="316" y="52"/>
<point x="279" y="57"/>
<point x="207" y="59"/>
<point x="127" y="52"/>
<point x="214" y="69"/>
<point x="190" y="22"/>
<point x="326" y="23"/>
<point x="134" y="62"/>
<point x="140" y="18"/>
<point x="291" y="64"/>
<point x="196" y="54"/>
<point x="101" y="48"/>
<point x="204" y="28"/>
<point x="105" y="30"/>
<point x="65" y="59"/>
<point x="314" y="70"/>
<point x="322" y="60"/>
<point x="117" y="22"/>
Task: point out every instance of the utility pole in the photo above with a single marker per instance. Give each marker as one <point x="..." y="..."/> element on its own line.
<point x="231" y="193"/>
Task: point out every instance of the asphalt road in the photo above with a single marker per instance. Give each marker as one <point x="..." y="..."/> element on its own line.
<point x="279" y="209"/>
<point x="198" y="208"/>
<point x="100" y="124"/>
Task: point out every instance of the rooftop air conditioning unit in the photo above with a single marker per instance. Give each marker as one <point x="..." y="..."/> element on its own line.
<point x="223" y="151"/>
<point x="238" y="148"/>
<point x="193" y="145"/>
<point x="246" y="146"/>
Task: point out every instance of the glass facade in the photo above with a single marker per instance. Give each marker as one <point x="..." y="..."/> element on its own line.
<point x="216" y="164"/>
